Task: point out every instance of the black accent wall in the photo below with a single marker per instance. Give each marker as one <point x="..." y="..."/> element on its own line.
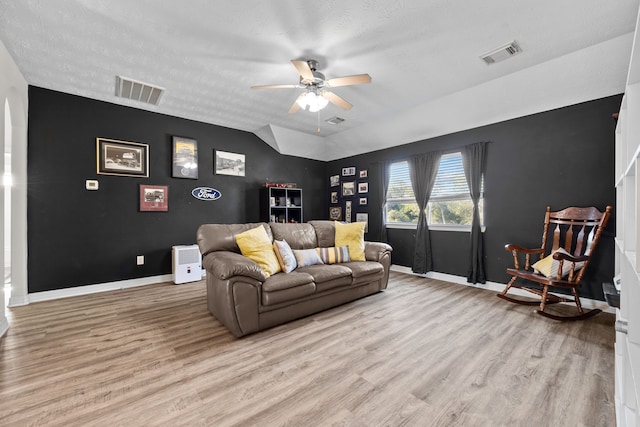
<point x="562" y="158"/>
<point x="79" y="237"/>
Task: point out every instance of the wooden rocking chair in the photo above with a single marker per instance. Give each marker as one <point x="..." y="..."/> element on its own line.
<point x="563" y="267"/>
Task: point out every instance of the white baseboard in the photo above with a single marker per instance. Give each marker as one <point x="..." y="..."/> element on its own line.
<point x="497" y="287"/>
<point x="92" y="289"/>
<point x="18" y="301"/>
<point x="4" y="326"/>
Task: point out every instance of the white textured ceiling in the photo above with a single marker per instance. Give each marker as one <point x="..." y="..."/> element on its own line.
<point x="423" y="57"/>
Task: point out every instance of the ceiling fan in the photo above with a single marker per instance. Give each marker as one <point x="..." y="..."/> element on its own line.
<point x="316" y="96"/>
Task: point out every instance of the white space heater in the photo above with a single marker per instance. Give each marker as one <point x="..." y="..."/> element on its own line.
<point x="187" y="264"/>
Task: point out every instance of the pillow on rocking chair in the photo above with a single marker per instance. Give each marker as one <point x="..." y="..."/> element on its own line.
<point x="548" y="266"/>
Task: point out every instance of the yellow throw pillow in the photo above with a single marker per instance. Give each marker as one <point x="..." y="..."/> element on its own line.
<point x="256" y="245"/>
<point x="548" y="266"/>
<point x="351" y="235"/>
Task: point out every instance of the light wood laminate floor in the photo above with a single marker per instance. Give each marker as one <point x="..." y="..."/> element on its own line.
<point x="422" y="353"/>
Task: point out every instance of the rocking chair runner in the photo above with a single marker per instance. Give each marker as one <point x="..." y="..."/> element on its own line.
<point x="579" y="229"/>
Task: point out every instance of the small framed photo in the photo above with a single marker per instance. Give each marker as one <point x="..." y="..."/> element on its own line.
<point x="335" y="213"/>
<point x="348" y="188"/>
<point x="363" y="217"/>
<point x="363" y="173"/>
<point x="229" y="163"/>
<point x="363" y="201"/>
<point x="347" y="211"/>
<point x="350" y="171"/>
<point x="334" y="197"/>
<point x="123" y="158"/>
<point x="185" y="158"/>
<point x="154" y="198"/>
<point x="334" y="180"/>
<point x="363" y="187"/>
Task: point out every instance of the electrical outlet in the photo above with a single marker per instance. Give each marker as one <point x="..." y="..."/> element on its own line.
<point x="140" y="260"/>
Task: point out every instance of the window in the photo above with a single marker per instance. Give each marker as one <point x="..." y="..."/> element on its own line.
<point x="449" y="206"/>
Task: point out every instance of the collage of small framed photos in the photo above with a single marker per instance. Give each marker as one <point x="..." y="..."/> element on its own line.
<point x="349" y="193"/>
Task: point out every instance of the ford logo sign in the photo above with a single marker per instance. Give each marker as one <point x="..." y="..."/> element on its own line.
<point x="206" y="193"/>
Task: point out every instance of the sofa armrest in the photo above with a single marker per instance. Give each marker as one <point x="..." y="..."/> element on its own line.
<point x="375" y="251"/>
<point x="224" y="265"/>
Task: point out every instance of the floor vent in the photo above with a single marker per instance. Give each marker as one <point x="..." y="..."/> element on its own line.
<point x="501" y="53"/>
<point x="138" y="91"/>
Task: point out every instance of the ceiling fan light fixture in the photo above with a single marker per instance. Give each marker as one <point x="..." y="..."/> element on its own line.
<point x="312" y="100"/>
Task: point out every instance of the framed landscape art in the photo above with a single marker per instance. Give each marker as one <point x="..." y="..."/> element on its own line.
<point x="229" y="163"/>
<point x="123" y="158"/>
<point x="154" y="198"/>
<point x="185" y="158"/>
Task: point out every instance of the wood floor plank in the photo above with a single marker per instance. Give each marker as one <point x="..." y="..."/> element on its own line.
<point x="422" y="353"/>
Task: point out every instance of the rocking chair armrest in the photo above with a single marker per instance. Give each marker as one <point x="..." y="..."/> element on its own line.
<point x="511" y="247"/>
<point x="561" y="256"/>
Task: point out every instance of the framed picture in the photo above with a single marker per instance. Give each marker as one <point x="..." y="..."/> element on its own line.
<point x="229" y="163"/>
<point x="123" y="158"/>
<point x="185" y="158"/>
<point x="363" y="217"/>
<point x="347" y="211"/>
<point x="363" y="173"/>
<point x="351" y="171"/>
<point x="334" y="180"/>
<point x="334" y="197"/>
<point x="363" y="187"/>
<point x="348" y="188"/>
<point x="335" y="213"/>
<point x="154" y="198"/>
<point x="363" y="201"/>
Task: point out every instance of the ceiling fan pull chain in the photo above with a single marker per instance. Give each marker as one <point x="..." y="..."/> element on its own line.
<point x="318" y="121"/>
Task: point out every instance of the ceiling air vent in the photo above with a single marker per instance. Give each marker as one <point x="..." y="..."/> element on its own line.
<point x="501" y="53"/>
<point x="335" y="120"/>
<point x="138" y="91"/>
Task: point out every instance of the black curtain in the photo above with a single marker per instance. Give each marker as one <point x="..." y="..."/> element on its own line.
<point x="473" y="160"/>
<point x="423" y="169"/>
<point x="383" y="186"/>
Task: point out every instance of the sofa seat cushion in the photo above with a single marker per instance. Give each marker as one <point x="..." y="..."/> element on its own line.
<point x="364" y="271"/>
<point x="283" y="287"/>
<point x="328" y="276"/>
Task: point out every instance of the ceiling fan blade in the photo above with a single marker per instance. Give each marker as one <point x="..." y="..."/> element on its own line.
<point x="295" y="107"/>
<point x="303" y="69"/>
<point x="358" y="79"/>
<point x="275" y="87"/>
<point x="336" y="100"/>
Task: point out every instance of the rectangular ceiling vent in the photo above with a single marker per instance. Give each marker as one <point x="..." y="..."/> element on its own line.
<point x="335" y="120"/>
<point x="501" y="53"/>
<point x="138" y="91"/>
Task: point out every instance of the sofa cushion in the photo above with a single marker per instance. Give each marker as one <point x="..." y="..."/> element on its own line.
<point x="256" y="245"/>
<point x="279" y="282"/>
<point x="307" y="257"/>
<point x="328" y="276"/>
<point x="334" y="255"/>
<point x="221" y="237"/>
<point x="285" y="256"/>
<point x="363" y="272"/>
<point x="351" y="235"/>
<point x="325" y="232"/>
<point x="287" y="287"/>
<point x="298" y="236"/>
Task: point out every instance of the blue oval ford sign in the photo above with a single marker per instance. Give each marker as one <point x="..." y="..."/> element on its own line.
<point x="206" y="193"/>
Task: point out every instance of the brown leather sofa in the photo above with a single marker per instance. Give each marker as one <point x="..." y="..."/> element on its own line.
<point x="239" y="295"/>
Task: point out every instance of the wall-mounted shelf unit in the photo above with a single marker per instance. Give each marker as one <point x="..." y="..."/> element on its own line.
<point x="627" y="243"/>
<point x="281" y="204"/>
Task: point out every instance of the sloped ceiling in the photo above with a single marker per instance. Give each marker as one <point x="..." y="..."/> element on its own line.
<point x="423" y="57"/>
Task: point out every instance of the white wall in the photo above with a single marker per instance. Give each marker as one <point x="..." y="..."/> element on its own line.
<point x="14" y="89"/>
